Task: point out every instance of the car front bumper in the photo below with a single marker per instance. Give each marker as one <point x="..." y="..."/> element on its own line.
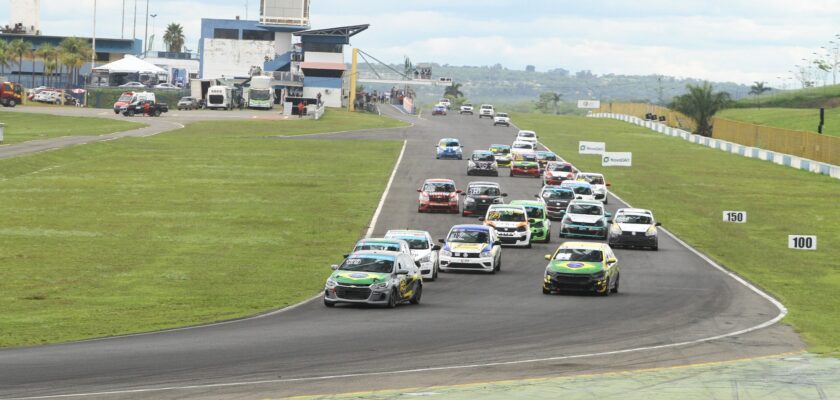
<point x="540" y="234"/>
<point x="571" y="282"/>
<point x="356" y="295"/>
<point x="435" y="206"/>
<point x="633" y="239"/>
<point x="480" y="171"/>
<point x="525" y="172"/>
<point x="516" y="238"/>
<point x="582" y="230"/>
<point x="451" y="155"/>
<point x="451" y="263"/>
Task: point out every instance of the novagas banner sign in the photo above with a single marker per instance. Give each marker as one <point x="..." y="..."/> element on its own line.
<point x="615" y="159"/>
<point x="591" y="147"/>
<point x="589" y="104"/>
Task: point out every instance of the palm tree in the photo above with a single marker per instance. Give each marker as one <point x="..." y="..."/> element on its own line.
<point x="408" y="67"/>
<point x="757" y="90"/>
<point x="174" y="37"/>
<point x="4" y="56"/>
<point x="701" y="103"/>
<point x="46" y="53"/>
<point x="74" y="52"/>
<point x="454" y="91"/>
<point x="19" y="47"/>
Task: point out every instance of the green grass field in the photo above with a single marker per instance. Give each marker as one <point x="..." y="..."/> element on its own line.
<point x="802" y="119"/>
<point x="211" y="222"/>
<point x="816" y="97"/>
<point x="23" y="127"/>
<point x="689" y="186"/>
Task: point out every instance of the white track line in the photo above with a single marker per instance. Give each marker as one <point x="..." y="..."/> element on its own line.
<point x="782" y="312"/>
<point x="385" y="193"/>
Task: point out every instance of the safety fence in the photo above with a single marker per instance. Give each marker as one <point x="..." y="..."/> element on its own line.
<point x="730" y="147"/>
<point x="824" y="148"/>
<point x="642" y="110"/>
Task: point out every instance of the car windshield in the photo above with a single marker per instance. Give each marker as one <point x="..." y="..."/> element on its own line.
<point x="483" y="157"/>
<point x="468" y="105"/>
<point x="558" y="195"/>
<point x="535" y="212"/>
<point x="506" y="215"/>
<point x="560" y="168"/>
<point x="449" y="143"/>
<point x="124" y="98"/>
<point x="384" y="246"/>
<point x="440" y="187"/>
<point x="416" y="243"/>
<point x="586" y="255"/>
<point x="633" y="219"/>
<point x="500" y="150"/>
<point x="366" y="263"/>
<point x="523" y="146"/>
<point x="467" y="236"/>
<point x="587" y="209"/>
<point x="594" y="179"/>
<point x="584" y="190"/>
<point x="527" y="135"/>
<point x="501" y="115"/>
<point x="528" y="157"/>
<point x="483" y="191"/>
<point x="547" y="157"/>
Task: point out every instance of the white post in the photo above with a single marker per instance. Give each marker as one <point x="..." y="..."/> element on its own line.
<point x="2" y="129"/>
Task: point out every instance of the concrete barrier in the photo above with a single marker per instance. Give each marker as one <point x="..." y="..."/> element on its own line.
<point x="729" y="147"/>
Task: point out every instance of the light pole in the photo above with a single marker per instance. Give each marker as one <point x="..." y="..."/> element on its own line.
<point x="153" y="28"/>
<point x="146" y="40"/>
<point x="134" y="33"/>
<point x="122" y="28"/>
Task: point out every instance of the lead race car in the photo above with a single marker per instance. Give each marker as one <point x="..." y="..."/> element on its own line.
<point x="374" y="277"/>
<point x="582" y="266"/>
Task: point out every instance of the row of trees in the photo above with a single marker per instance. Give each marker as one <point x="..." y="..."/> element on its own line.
<point x="70" y="55"/>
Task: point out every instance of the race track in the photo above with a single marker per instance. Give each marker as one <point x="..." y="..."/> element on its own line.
<point x="469" y="327"/>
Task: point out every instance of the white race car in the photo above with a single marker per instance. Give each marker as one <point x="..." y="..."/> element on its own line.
<point x="423" y="249"/>
<point x="519" y="147"/>
<point x="583" y="190"/>
<point x="527" y="136"/>
<point x="501" y="119"/>
<point x="599" y="185"/>
<point x="634" y="227"/>
<point x="511" y="224"/>
<point x="471" y="248"/>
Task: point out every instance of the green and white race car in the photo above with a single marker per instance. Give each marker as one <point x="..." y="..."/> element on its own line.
<point x="537" y="218"/>
<point x="382" y="278"/>
<point x="582" y="266"/>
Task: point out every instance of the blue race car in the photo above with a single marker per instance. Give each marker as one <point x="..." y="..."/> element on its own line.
<point x="449" y="148"/>
<point x="439" y="109"/>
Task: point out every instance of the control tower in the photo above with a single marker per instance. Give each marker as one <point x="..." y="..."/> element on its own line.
<point x="26" y="15"/>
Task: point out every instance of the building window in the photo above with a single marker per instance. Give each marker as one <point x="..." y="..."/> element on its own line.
<point x="221" y="33"/>
<point x="102" y="57"/>
<point x="257" y="35"/>
<point x="323" y="47"/>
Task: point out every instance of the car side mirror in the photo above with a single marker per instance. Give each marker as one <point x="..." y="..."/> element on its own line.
<point x="504" y="194"/>
<point x="497" y="243"/>
<point x="481" y="219"/>
<point x="532" y="221"/>
<point x="548" y="257"/>
<point x="334" y="267"/>
<point x="611" y="261"/>
<point x="459" y="191"/>
<point x="435" y="248"/>
<point x="658" y="224"/>
<point x="417" y="263"/>
<point x="419" y="190"/>
<point x="402" y="272"/>
<point x="442" y="241"/>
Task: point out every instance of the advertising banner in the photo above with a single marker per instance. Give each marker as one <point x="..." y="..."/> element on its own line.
<point x="615" y="159"/>
<point x="591" y="147"/>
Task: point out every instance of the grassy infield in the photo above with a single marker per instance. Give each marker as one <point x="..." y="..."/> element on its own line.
<point x="215" y="222"/>
<point x="210" y="222"/>
<point x="23" y="127"/>
<point x="793" y="109"/>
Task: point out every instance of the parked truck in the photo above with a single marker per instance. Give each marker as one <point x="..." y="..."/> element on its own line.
<point x="11" y="94"/>
<point x="261" y="94"/>
<point x="220" y="97"/>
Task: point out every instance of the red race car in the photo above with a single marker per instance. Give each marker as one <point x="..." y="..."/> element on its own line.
<point x="439" y="195"/>
<point x="525" y="164"/>
<point x="558" y="171"/>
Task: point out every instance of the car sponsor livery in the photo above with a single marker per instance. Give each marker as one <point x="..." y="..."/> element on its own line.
<point x="585" y="219"/>
<point x="471" y="248"/>
<point x="482" y="162"/>
<point x="449" y="148"/>
<point x="374" y="277"/>
<point x="537" y="218"/>
<point x="502" y="154"/>
<point x="438" y="195"/>
<point x="511" y="224"/>
<point x="556" y="200"/>
<point x="480" y="196"/>
<point x="525" y="164"/>
<point x="580" y="266"/>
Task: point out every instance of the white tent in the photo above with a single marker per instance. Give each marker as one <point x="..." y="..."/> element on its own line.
<point x="130" y="64"/>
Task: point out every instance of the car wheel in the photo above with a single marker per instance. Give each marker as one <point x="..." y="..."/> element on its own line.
<point x="435" y="272"/>
<point x="116" y="112"/>
<point x="416" y="298"/>
<point x="547" y="237"/>
<point x="655" y="247"/>
<point x="545" y="291"/>
<point x="606" y="200"/>
<point x="328" y="303"/>
<point x="528" y="246"/>
<point x="392" y="299"/>
<point x="130" y="113"/>
<point x="469" y="173"/>
<point x="606" y="291"/>
<point x="157" y="113"/>
<point x="617" y="279"/>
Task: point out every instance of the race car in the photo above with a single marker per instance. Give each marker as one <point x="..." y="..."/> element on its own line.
<point x="522" y="147"/>
<point x="466" y="109"/>
<point x="501" y="119"/>
<point x="439" y="109"/>
<point x="585" y="218"/>
<point x="527" y="136"/>
<point x="537" y="218"/>
<point x="634" y="227"/>
<point x="374" y="277"/>
<point x="381" y="244"/>
<point x="556" y="200"/>
<point x="583" y="190"/>
<point x="582" y="266"/>
<point x="449" y="148"/>
<point x="471" y="248"/>
<point x="558" y="171"/>
<point x="599" y="185"/>
<point x="438" y="195"/>
<point x="511" y="224"/>
<point x="482" y="162"/>
<point x="544" y="157"/>
<point x="502" y="154"/>
<point x="480" y="196"/>
<point x="525" y="164"/>
<point x="423" y="249"/>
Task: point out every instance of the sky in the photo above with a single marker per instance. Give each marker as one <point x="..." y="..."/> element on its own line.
<point x="736" y="40"/>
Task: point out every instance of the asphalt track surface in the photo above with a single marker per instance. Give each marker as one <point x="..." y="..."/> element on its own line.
<point x="470" y="327"/>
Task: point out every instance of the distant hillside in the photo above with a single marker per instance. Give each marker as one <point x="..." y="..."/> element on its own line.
<point x="498" y="84"/>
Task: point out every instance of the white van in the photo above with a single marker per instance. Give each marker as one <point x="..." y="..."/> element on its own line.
<point x="219" y="97"/>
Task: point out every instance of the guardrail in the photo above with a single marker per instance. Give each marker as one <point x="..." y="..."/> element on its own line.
<point x="811" y="145"/>
<point x="787" y="160"/>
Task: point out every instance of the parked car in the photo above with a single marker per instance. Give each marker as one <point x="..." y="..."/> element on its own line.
<point x="132" y="85"/>
<point x="188" y="103"/>
<point x="166" y="86"/>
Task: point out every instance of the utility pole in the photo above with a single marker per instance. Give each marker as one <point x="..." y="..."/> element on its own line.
<point x="122" y="29"/>
<point x="146" y="40"/>
<point x="134" y="34"/>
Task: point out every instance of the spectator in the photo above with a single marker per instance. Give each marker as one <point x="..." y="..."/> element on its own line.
<point x="301" y="109"/>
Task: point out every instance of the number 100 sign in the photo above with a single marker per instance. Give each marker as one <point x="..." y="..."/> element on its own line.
<point x="802" y="242"/>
